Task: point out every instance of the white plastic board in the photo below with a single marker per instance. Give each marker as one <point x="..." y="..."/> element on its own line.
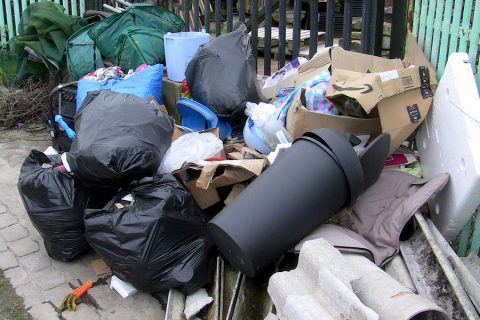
<point x="449" y="141"/>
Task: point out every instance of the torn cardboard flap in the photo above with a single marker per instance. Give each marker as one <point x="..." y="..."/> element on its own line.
<point x="203" y="179"/>
<point x="370" y="88"/>
<point x="301" y="120"/>
<point x="337" y="58"/>
<point x="365" y="88"/>
<point x="234" y="171"/>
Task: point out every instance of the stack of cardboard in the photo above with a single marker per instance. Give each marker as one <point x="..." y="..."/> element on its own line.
<point x="395" y="96"/>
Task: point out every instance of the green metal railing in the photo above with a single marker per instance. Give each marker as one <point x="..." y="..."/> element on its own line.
<point x="11" y="10"/>
<point x="441" y="28"/>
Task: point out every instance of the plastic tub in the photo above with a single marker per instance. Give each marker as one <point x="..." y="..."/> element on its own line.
<point x="302" y="189"/>
<point x="180" y="48"/>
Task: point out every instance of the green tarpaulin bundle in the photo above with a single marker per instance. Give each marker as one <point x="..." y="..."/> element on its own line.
<point x="127" y="39"/>
<point x="38" y="49"/>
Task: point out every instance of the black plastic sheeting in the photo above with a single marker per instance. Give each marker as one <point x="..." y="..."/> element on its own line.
<point x="55" y="204"/>
<point x="157" y="242"/>
<point x="120" y="138"/>
<point x="222" y="75"/>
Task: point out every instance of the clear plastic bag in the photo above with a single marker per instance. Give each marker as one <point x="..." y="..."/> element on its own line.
<point x="264" y="119"/>
<point x="191" y="147"/>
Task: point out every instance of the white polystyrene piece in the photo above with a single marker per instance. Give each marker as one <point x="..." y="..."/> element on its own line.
<point x="449" y="141"/>
<point x="196" y="302"/>
<point x="50" y="151"/>
<point x="123" y="288"/>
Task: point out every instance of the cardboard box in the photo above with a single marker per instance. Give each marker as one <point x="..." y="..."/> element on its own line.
<point x="205" y="178"/>
<point x="333" y="57"/>
<point x="403" y="97"/>
<point x="400" y="110"/>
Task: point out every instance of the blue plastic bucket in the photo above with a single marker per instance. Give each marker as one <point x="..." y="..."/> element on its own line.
<point x="180" y="48"/>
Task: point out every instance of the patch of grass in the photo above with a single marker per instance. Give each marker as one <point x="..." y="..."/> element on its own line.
<point x="11" y="305"/>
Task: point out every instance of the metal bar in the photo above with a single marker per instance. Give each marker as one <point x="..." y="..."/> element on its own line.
<point x="10" y="28"/>
<point x="218" y="17"/>
<point x="474" y="36"/>
<point x="399" y="27"/>
<point x="378" y="19"/>
<point x="442" y="57"/>
<point x="330" y="23"/>
<point x="196" y="15"/>
<point x="416" y="18"/>
<point x="112" y="9"/>
<point x="297" y="16"/>
<point x="427" y="49"/>
<point x="467" y="12"/>
<point x="123" y="3"/>
<point x="366" y="26"/>
<point x="314" y="27"/>
<point x="82" y="7"/>
<point x="254" y="26"/>
<point x="422" y="26"/>
<point x="261" y="14"/>
<point x="207" y="16"/>
<point x="475" y="246"/>
<point x="267" y="47"/>
<point x="186" y="14"/>
<point x="464" y="237"/>
<point x="437" y="27"/>
<point x="347" y="24"/>
<point x="3" y="32"/>
<point x="282" y="26"/>
<point x="457" y="10"/>
<point x="241" y="10"/>
<point x="229" y="15"/>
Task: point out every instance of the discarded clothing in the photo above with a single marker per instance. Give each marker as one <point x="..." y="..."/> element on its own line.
<point x="315" y="91"/>
<point x="144" y="82"/>
<point x="380" y="214"/>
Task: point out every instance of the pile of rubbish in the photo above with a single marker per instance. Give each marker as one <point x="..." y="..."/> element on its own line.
<point x="255" y="170"/>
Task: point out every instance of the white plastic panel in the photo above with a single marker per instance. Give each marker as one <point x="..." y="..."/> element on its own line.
<point x="449" y="141"/>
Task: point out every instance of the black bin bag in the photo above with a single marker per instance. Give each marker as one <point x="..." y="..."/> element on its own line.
<point x="120" y="138"/>
<point x="55" y="203"/>
<point x="157" y="240"/>
<point x="222" y="74"/>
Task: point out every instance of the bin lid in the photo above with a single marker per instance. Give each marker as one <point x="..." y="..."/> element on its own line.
<point x="345" y="155"/>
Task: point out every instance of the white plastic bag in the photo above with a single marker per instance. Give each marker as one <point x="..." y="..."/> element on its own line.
<point x="191" y="147"/>
<point x="264" y="118"/>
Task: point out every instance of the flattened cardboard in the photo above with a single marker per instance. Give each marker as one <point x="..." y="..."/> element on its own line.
<point x="235" y="192"/>
<point x="414" y="55"/>
<point x="337" y="58"/>
<point x="100" y="267"/>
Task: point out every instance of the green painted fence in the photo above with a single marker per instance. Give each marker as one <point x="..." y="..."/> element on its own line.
<point x="11" y="10"/>
<point x="441" y="28"/>
<point x="446" y="26"/>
